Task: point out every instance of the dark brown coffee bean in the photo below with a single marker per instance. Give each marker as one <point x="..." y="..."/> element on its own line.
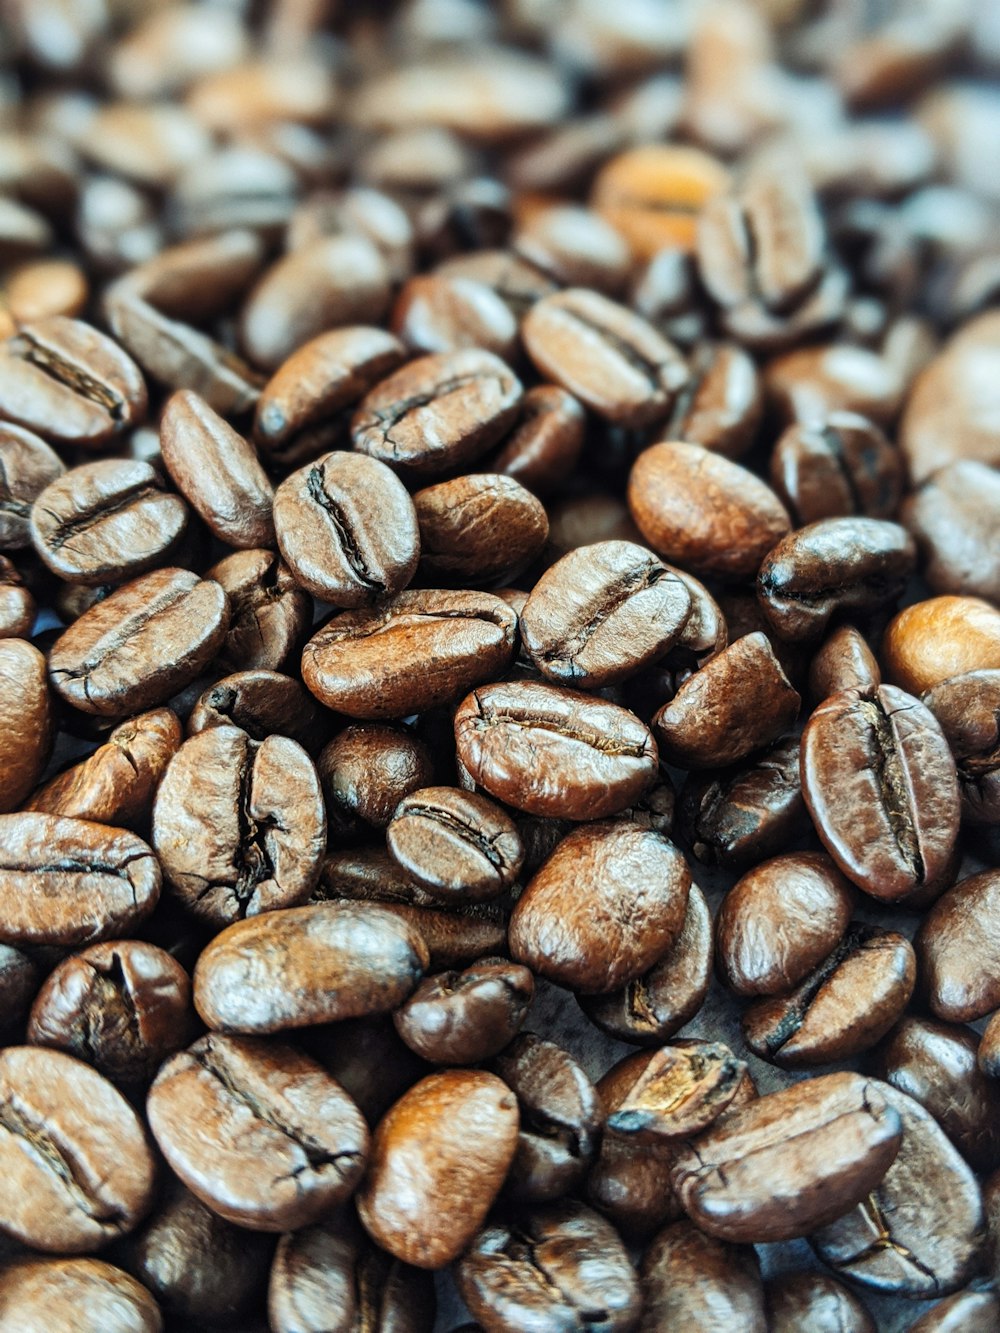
<point x="812" y="383"/>
<point x="955" y="516"/>
<point x="721" y="405"/>
<point x="438" y="1159"/>
<point x="543" y="449"/>
<point x="455" y="844"/>
<point x="965" y="1312"/>
<point x="217" y="470"/>
<point x="257" y="1131"/>
<point x="261" y="703"/>
<point x="19" y="978"/>
<point x="75" y="1293"/>
<point x="968" y="709"/>
<point x="880" y="784"/>
<point x="26" y="720"/>
<point x="18" y="611"/>
<point x="799" y="1301"/>
<point x="514" y="279"/>
<point x="920" y="1230"/>
<point x="70" y="882"/>
<point x="439" y="412"/>
<point x="478" y="529"/>
<point x="142" y="644"/>
<point x="839" y="466"/>
<point x="604" y="907"/>
<point x="27" y="466"/>
<point x="690" y="1280"/>
<point x="835" y="567"/>
<point x="438" y="313"/>
<point x="843" y="662"/>
<point x="576" y="247"/>
<point x="239" y="825"/>
<point x="69" y="382"/>
<point x="590" y="518"/>
<point x="307" y="965"/>
<point x="460" y="1018"/>
<point x="704" y="512"/>
<point x="367" y="770"/>
<point x="554" y="752"/>
<point x="122" y="1007"/>
<point x="958" y="954"/>
<point x="609" y="358"/>
<point x="270" y="614"/>
<point x="742" y="1183"/>
<point x="77" y="1169"/>
<point x="988" y="1054"/>
<point x="671" y="1093"/>
<point x="368" y="1059"/>
<point x="369" y="664"/>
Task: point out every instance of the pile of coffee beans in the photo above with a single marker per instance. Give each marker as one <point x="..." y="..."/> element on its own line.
<point x="499" y="666"/>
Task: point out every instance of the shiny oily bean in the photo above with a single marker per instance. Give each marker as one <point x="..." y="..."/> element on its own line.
<point x="947" y="636"/>
<point x="958" y="950"/>
<point x="603" y="908"/>
<point x="601" y="613"/>
<point x="555" y="752"/>
<point x="122" y="1007"/>
<point x="347" y="529"/>
<point x="70" y="882"/>
<point x="654" y="193"/>
<point x="543" y="448"/>
<point x="441" y="313"/>
<point x="881" y="787"/>
<point x="813" y="1301"/>
<point x="270" y="615"/>
<point x="704" y="512"/>
<point x="307" y="965"/>
<point x="257" y="1131"/>
<point x="605" y="355"/>
<point x="77" y="1168"/>
<point x="366" y="770"/>
<point x="239" y="826"/>
<point x="439" y="1157"/>
<point x="843" y="662"/>
<point x="987" y="1056"/>
<point x="142" y="644"/>
<point x="671" y="1093"/>
<point x="551" y="1267"/>
<point x="835" y="567"/>
<point x="965" y="1312"/>
<point x="367" y="663"/>
<point x="576" y="246"/>
<point x="690" y="1280"/>
<point x="261" y="703"/>
<point x="919" y="1231"/>
<point x="840" y="465"/>
<point x="460" y="1018"/>
<point x="811" y="383"/>
<point x="18" y="611"/>
<point x="27" y="721"/>
<point x="38" y="1295"/>
<point x="439" y="412"/>
<point x="484" y="528"/>
<point x="722" y="404"/>
<point x="27" y="466"/>
<point x="629" y="1184"/>
<point x="790" y="1161"/>
<point x="955" y="518"/>
<point x="106" y="521"/>
<point x="968" y="709"/>
<point x="455" y="844"/>
<point x="218" y="472"/>
<point x="19" y="981"/>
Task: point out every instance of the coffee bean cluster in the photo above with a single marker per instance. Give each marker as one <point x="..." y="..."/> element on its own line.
<point x="499" y="666"/>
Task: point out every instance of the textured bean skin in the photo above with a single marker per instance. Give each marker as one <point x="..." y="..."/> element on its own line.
<point x="43" y="1294"/>
<point x="26" y="720"/>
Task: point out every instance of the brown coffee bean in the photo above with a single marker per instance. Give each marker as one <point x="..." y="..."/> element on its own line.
<point x="438" y="1159"/>
<point x="26" y="720"/>
<point x="70" y="882"/>
<point x="544" y="447"/>
<point x="261" y="703"/>
<point x="836" y="466"/>
<point x="814" y="382"/>
<point x="554" y="752"/>
<point x="516" y="281"/>
<point x="455" y="844"/>
<point x="77" y="1169"/>
<point x="65" y="1293"/>
<point x="441" y="313"/>
<point x="307" y="965"/>
<point x="968" y="708"/>
<point x="460" y="1018"/>
<point x="934" y="640"/>
<point x="955" y="518"/>
<point x="478" y="529"/>
<point x="799" y="1301"/>
<point x="576" y="246"/>
<point x="843" y="662"/>
<point x="690" y="1280"/>
<point x="601" y="613"/>
<point x="367" y="770"/>
<point x="653" y="194"/>
<point x="704" y="512"/>
<point x="257" y="1131"/>
<point x="988" y="1054"/>
<point x="722" y="403"/>
<point x="609" y="358"/>
<point x="880" y="784"/>
<point x="18" y="610"/>
<point x="142" y="644"/>
<point x="965" y="1312"/>
<point x="27" y="466"/>
<point x="671" y="1093"/>
<point x="604" y="907"/>
<point x="270" y="614"/>
<point x="958" y="957"/>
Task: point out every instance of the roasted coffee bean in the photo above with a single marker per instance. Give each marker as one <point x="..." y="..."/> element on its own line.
<point x="455" y="844"/>
<point x="517" y="281"/>
<point x="671" y="1093"/>
<point x="307" y="965"/>
<point x="604" y="907"/>
<point x="629" y="1184"/>
<point x="544" y="447"/>
<point x="742" y="1181"/>
<point x="609" y="358"/>
<point x="70" y="882"/>
<point x="654" y="193"/>
<point x="560" y="1119"/>
<point x="261" y="703"/>
<point x="367" y="770"/>
<point x="438" y="313"/>
<point x="880" y="784"/>
<point x="218" y="472"/>
<point x="439" y="412"/>
<point x="142" y="644"/>
<point x="650" y="1009"/>
<point x="26" y="720"/>
<point x="958" y="955"/>
<point x="257" y="1131"/>
<point x="270" y="614"/>
<point x="552" y="1267"/>
<point x="934" y="640"/>
<point x="601" y="613"/>
<point x="331" y="1271"/>
<point x="478" y="529"/>
<point x="920" y="1229"/>
<point x="362" y="663"/>
<point x="27" y="466"/>
<point x="106" y="521"/>
<point x="439" y="1157"/>
<point x="122" y="1007"/>
<point x="576" y="246"/>
<point x="18" y="611"/>
<point x="843" y="662"/>
<point x="721" y="405"/>
<point x="968" y="708"/>
<point x="78" y="1171"/>
<point x="460" y="1018"/>
<point x="554" y="752"/>
<point x="704" y="512"/>
<point x="965" y="1312"/>
<point x="738" y="702"/>
<point x="19" y="978"/>
<point x="813" y="383"/>
<point x="690" y="1280"/>
<point x="800" y="1301"/>
<point x="347" y="529"/>
<point x="837" y="466"/>
<point x="955" y="518"/>
<point x="69" y="382"/>
<point x="988" y="1054"/>
<point x="49" y="1294"/>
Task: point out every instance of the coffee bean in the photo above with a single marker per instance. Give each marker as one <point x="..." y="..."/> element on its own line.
<point x="461" y="1018"/>
<point x="54" y="1293"/>
<point x="967" y="709"/>
<point x="671" y="1093"/>
<point x="969" y="1310"/>
<point x="478" y="529"/>
<point x="18" y="611"/>
<point x="813" y="1300"/>
<point x="257" y="1131"/>
<point x="721" y="405"/>
<point x="814" y="382"/>
<point x="26" y="720"/>
<point x="654" y="193"/>
<point x="836" y="466"/>
<point x="543" y="449"/>
<point x="366" y="770"/>
<point x="955" y="517"/>
<point x="934" y="640"/>
<point x="514" y="279"/>
<point x="27" y="466"/>
<point x="270" y="614"/>
<point x="690" y="1280"/>
<point x="956" y="951"/>
<point x="843" y="662"/>
<point x="576" y="246"/>
<point x="438" y="313"/>
<point x="261" y="703"/>
<point x="455" y="844"/>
